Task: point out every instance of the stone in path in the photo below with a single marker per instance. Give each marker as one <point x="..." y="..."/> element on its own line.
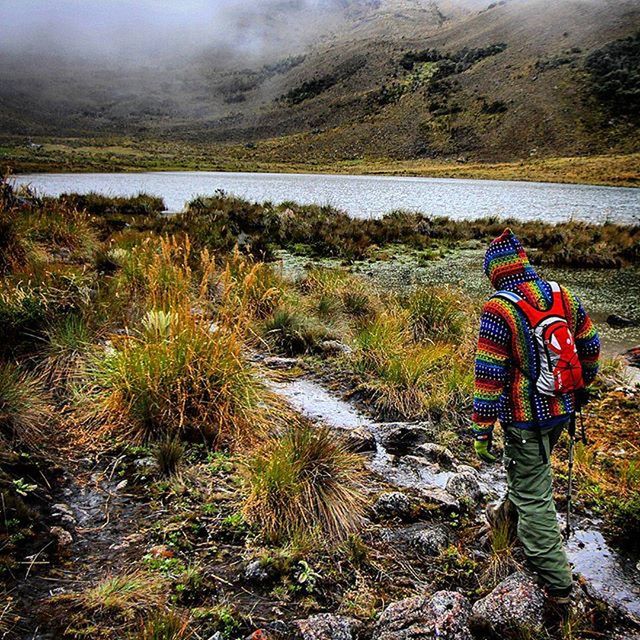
<point x="326" y="626"/>
<point x="514" y="608"/>
<point x="444" y="615"/>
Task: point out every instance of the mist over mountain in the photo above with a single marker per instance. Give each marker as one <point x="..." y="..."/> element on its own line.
<point x="327" y="78"/>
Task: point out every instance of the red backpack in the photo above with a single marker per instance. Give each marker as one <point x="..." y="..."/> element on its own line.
<point x="560" y="370"/>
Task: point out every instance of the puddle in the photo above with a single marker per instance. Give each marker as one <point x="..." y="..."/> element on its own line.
<point x="613" y="576"/>
<point x="608" y="572"/>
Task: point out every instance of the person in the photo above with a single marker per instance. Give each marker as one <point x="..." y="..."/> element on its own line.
<point x="532" y="393"/>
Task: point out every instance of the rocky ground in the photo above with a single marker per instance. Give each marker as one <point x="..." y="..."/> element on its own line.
<point x="424" y="565"/>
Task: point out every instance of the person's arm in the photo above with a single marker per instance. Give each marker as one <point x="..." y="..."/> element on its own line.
<point x="491" y="368"/>
<point x="587" y="345"/>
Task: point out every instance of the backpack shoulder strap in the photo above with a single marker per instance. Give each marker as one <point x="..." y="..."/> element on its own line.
<point x="557" y="301"/>
<point x="508" y="295"/>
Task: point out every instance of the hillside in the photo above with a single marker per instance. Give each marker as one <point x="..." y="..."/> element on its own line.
<point x="398" y="79"/>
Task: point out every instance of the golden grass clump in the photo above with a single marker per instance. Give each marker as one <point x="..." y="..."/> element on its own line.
<point x="113" y="607"/>
<point x="177" y="375"/>
<point x="26" y="411"/>
<point x="303" y="485"/>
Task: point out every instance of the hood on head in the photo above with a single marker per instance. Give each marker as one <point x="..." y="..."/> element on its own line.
<point x="506" y="263"/>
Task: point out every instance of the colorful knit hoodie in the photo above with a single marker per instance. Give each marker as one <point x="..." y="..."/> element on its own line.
<point x="506" y="360"/>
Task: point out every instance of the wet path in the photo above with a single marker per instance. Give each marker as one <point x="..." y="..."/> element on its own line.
<point x="612" y="576"/>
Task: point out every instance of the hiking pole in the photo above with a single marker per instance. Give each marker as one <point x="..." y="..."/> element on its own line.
<point x="572" y="442"/>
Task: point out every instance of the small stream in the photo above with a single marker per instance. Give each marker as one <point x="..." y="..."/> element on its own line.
<point x="612" y="575"/>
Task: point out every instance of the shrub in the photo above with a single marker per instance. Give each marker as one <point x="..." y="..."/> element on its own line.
<point x="177" y="376"/>
<point x="25" y="408"/>
<point x="614" y="74"/>
<point x="436" y="313"/>
<point x="303" y="483"/>
<point x="292" y="333"/>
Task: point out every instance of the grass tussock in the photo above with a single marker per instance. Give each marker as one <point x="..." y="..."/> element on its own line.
<point x="177" y="375"/>
<point x="113" y="607"/>
<point x="26" y="411"/>
<point x="303" y="484"/>
<point x="409" y="376"/>
<point x="166" y="626"/>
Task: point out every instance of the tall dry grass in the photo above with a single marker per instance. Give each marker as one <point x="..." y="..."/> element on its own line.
<point x="303" y="485"/>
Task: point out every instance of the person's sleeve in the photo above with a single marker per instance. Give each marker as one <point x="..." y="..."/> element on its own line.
<point x="491" y="369"/>
<point x="587" y="344"/>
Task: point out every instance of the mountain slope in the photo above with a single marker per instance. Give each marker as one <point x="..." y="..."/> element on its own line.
<point x="397" y="78"/>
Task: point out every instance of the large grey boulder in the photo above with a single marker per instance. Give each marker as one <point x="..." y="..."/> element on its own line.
<point x="436" y="453"/>
<point x="513" y="609"/>
<point x="399" y="438"/>
<point x="465" y="486"/>
<point x="326" y="626"/>
<point x="431" y="540"/>
<point x="444" y="615"/>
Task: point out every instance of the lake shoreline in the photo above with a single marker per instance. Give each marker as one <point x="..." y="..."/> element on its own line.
<point x="364" y="196"/>
<point x="268" y="156"/>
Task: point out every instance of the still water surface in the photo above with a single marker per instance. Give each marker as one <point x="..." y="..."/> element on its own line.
<point x="367" y="196"/>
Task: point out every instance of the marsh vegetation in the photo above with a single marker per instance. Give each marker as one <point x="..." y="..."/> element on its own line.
<point x="152" y="474"/>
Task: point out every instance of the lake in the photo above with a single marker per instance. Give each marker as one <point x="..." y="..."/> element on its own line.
<point x="367" y="196"/>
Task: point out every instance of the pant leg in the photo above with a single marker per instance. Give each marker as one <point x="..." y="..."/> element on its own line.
<point x="530" y="489"/>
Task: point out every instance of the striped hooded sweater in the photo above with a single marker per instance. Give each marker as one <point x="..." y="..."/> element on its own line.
<point x="506" y="359"/>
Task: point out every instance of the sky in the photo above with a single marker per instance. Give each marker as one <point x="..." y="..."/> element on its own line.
<point x="142" y="30"/>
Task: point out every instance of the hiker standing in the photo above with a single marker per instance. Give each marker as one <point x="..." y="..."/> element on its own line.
<point x="537" y="351"/>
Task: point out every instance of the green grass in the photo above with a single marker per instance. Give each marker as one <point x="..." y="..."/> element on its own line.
<point x="26" y="411"/>
<point x="301" y="485"/>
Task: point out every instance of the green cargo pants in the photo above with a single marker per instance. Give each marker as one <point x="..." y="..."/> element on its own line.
<point x="530" y="489"/>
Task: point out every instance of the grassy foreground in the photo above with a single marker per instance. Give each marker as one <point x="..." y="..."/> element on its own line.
<point x="276" y="155"/>
<point x="128" y="362"/>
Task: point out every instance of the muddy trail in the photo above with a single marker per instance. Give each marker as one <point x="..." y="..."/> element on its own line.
<point x="95" y="523"/>
<point x="611" y="575"/>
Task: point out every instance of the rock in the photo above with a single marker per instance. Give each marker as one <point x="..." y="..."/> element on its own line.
<point x="360" y="440"/>
<point x="440" y="498"/>
<point x="431" y="541"/>
<point x="465" y="486"/>
<point x="161" y="551"/>
<point x="436" y="453"/>
<point x="145" y="466"/>
<point x="445" y="615"/>
<point x="619" y="322"/>
<point x="335" y="348"/>
<point x="276" y="630"/>
<point x="63" y="538"/>
<point x="514" y="608"/>
<point x="395" y="504"/>
<point x="61" y="509"/>
<point x="326" y="626"/>
<point x="257" y="572"/>
<point x="278" y="362"/>
<point x="633" y="356"/>
<point x="64" y="514"/>
<point x="465" y="468"/>
<point x="399" y="437"/>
